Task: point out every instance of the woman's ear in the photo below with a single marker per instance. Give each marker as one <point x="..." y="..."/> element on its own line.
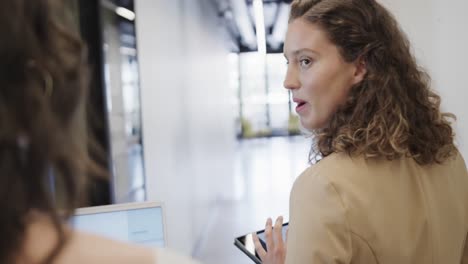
<point x="360" y="70"/>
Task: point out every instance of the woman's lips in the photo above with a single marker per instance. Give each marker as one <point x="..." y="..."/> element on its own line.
<point x="301" y="105"/>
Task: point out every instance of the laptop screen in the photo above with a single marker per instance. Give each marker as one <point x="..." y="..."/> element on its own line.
<point x="143" y="226"/>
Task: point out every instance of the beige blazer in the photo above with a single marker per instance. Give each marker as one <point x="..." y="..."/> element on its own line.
<point x="349" y="210"/>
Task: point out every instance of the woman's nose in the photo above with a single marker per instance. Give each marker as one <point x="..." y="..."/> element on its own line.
<point x="291" y="81"/>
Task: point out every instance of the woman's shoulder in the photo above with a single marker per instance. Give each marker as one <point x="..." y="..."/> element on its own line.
<point x="337" y="173"/>
<point x="318" y="176"/>
<point x="89" y="248"/>
<point x="330" y="166"/>
<point x="41" y="239"/>
<point x="357" y="175"/>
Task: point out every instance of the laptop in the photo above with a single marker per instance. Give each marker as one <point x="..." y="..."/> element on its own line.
<point x="141" y="223"/>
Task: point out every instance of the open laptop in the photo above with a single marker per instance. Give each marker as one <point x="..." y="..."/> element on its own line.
<point x="141" y="223"/>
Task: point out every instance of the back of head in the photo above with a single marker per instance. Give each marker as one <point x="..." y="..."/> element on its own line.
<point x="393" y="112"/>
<point x="42" y="91"/>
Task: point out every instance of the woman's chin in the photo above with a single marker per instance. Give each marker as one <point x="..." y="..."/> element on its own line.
<point x="311" y="125"/>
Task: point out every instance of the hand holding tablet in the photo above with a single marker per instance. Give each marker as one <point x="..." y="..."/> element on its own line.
<point x="261" y="245"/>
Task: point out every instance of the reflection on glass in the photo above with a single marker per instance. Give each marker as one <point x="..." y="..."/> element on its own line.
<point x="123" y="98"/>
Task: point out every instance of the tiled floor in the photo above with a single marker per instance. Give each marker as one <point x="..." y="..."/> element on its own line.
<point x="265" y="172"/>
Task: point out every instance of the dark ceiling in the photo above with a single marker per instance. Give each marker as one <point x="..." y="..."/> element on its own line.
<point x="239" y="19"/>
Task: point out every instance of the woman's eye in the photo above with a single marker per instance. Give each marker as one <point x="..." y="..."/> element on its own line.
<point x="305" y="62"/>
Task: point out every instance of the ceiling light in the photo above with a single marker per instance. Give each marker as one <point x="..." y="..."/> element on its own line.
<point x="125" y="13"/>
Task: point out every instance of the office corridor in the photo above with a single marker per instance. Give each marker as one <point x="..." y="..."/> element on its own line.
<point x="265" y="171"/>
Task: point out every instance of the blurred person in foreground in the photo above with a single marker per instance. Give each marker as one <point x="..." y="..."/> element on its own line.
<point x="387" y="184"/>
<point x="43" y="90"/>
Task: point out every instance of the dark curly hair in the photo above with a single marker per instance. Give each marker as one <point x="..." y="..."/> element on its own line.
<point x="393" y="112"/>
<point x="43" y="86"/>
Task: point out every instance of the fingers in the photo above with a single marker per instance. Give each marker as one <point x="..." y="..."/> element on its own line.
<point x="268" y="234"/>
<point x="258" y="247"/>
<point x="278" y="232"/>
<point x="273" y="239"/>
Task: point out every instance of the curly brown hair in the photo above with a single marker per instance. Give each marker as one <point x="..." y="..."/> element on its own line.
<point x="43" y="86"/>
<point x="393" y="112"/>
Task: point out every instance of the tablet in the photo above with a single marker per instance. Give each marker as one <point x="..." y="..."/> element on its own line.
<point x="246" y="243"/>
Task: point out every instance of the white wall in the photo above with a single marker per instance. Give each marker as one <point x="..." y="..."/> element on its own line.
<point x="438" y="32"/>
<point x="188" y="124"/>
<point x="450" y="62"/>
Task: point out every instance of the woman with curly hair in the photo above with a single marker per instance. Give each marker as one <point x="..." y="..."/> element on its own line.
<point x="388" y="185"/>
<point x="43" y="90"/>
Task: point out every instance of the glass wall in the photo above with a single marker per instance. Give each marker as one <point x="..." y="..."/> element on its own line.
<point x="121" y="82"/>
